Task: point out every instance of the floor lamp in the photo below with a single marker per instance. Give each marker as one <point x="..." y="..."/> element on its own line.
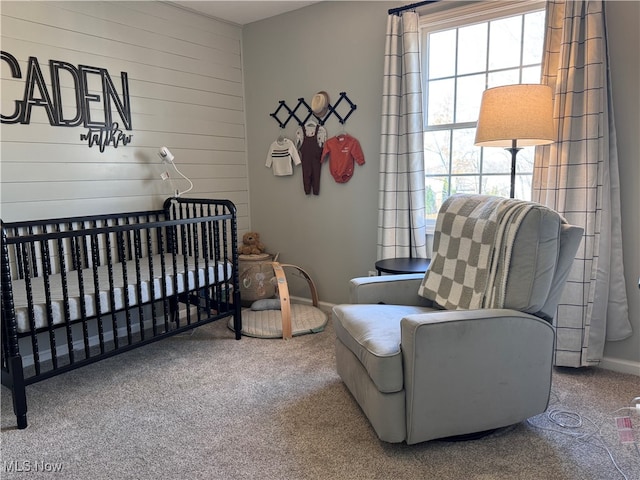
<point x="515" y="116"/>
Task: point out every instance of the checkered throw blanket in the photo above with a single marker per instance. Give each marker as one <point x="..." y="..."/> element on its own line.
<point x="471" y="251"/>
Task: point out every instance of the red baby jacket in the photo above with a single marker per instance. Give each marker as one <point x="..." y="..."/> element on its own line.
<point x="342" y="151"/>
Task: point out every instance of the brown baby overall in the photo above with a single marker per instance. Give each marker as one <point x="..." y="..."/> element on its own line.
<point x="310" y="153"/>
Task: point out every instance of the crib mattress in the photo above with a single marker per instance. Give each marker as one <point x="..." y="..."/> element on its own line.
<point x="149" y="288"/>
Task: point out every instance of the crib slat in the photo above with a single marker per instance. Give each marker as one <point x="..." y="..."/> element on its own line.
<point x="137" y="256"/>
<point x="222" y="292"/>
<point x="196" y="279"/>
<point x="175" y="317"/>
<point x="77" y="255"/>
<point x="174" y="278"/>
<point x="207" y="279"/>
<point x="65" y="298"/>
<point x="159" y="249"/>
<point x="30" y="309"/>
<point x="112" y="298"/>
<point x="188" y="251"/>
<point x="234" y="258"/>
<point x="218" y="256"/>
<point x="163" y="277"/>
<point x="15" y="232"/>
<point x="125" y="282"/>
<point x="72" y="240"/>
<point x="32" y="247"/>
<point x="208" y="237"/>
<point x="185" y="248"/>
<point x="95" y="262"/>
<point x="152" y="283"/>
<point x="125" y="253"/>
<point x="46" y="260"/>
<point x="85" y="251"/>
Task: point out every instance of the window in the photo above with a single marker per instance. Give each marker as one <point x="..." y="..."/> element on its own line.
<point x="465" y="51"/>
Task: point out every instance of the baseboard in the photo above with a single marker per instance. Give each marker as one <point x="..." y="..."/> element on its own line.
<point x="621" y="366"/>
<point x="324" y="306"/>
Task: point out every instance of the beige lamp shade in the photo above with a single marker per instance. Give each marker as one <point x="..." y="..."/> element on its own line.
<point x="521" y="112"/>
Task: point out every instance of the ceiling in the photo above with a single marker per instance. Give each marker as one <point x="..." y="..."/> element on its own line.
<point x="241" y="12"/>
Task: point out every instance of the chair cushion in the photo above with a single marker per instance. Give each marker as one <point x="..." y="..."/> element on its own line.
<point x="372" y="333"/>
<point x="533" y="260"/>
<point x="570" y="238"/>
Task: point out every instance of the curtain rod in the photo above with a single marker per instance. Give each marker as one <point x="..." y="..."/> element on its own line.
<point x="395" y="11"/>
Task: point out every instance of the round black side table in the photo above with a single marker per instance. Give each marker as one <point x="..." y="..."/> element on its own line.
<point x="402" y="265"/>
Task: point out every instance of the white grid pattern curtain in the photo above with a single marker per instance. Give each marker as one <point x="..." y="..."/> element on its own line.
<point x="578" y="176"/>
<point x="401" y="221"/>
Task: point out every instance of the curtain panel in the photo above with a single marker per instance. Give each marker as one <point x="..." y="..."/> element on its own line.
<point x="401" y="217"/>
<point x="578" y="176"/>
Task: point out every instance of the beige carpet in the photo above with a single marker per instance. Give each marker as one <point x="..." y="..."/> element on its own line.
<point x="205" y="406"/>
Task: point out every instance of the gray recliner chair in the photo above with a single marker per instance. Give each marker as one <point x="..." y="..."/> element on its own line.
<point x="421" y="372"/>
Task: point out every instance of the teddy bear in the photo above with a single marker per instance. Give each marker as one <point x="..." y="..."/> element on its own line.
<point x="251" y="244"/>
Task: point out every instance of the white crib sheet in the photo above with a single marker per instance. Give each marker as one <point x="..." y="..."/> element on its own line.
<point x="73" y="290"/>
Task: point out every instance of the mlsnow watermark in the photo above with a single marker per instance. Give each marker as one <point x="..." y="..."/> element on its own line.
<point x="26" y="466"/>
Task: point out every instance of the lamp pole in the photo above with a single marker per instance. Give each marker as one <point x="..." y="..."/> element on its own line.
<point x="514" y="152"/>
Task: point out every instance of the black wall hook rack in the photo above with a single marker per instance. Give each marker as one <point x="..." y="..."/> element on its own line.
<point x="303" y="108"/>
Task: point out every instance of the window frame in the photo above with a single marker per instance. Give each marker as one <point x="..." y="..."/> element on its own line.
<point x="440" y="16"/>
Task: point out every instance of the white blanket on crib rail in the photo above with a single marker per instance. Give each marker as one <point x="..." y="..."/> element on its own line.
<point x="217" y="273"/>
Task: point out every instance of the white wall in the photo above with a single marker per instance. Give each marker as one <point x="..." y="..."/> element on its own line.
<point x="186" y="92"/>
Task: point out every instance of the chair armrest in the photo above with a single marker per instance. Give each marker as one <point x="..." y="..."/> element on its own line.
<point x="458" y="363"/>
<point x="388" y="289"/>
<point x="470" y="336"/>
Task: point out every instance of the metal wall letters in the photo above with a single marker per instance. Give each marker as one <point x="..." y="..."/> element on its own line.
<point x="103" y="131"/>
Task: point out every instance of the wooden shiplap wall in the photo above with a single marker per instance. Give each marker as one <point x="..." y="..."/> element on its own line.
<point x="186" y="92"/>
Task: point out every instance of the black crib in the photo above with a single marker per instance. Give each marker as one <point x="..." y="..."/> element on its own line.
<point x="80" y="289"/>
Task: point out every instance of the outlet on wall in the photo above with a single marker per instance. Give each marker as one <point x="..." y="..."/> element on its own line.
<point x="373" y="273"/>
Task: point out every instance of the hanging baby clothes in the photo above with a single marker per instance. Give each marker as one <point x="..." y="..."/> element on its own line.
<point x="310" y="140"/>
<point x="281" y="153"/>
<point x="342" y="151"/>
